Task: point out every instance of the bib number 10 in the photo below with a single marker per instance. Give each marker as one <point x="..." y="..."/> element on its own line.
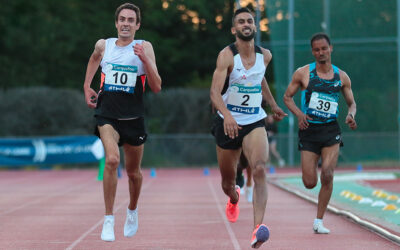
<point x="122" y="79"/>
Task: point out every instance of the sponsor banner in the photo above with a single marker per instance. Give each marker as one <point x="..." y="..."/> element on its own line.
<point x="50" y="150"/>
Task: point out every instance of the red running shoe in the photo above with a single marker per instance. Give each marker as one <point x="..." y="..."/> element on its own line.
<point x="260" y="235"/>
<point x="232" y="210"/>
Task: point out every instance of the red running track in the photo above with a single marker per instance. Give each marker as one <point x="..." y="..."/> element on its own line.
<point x="179" y="209"/>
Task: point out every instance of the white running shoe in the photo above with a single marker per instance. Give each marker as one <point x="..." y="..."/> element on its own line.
<point x="249" y="193"/>
<point x="281" y="162"/>
<point x="319" y="228"/>
<point x="131" y="223"/>
<point x="107" y="234"/>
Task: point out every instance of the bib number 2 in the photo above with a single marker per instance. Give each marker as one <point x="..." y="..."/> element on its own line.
<point x="244" y="99"/>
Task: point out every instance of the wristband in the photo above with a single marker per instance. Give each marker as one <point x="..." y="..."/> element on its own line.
<point x="351" y="115"/>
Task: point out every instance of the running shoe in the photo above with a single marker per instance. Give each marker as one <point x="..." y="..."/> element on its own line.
<point x="232" y="210"/>
<point x="131" y="223"/>
<point x="107" y="234"/>
<point x="319" y="228"/>
<point x="260" y="235"/>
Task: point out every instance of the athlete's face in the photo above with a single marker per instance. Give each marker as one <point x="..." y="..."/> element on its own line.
<point x="244" y="27"/>
<point x="321" y="50"/>
<point x="126" y="24"/>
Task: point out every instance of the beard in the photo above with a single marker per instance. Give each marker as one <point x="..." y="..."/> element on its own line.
<point x="246" y="38"/>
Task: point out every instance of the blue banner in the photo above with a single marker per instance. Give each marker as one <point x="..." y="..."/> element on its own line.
<point x="50" y="150"/>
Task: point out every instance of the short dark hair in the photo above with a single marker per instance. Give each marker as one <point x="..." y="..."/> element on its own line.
<point x="319" y="36"/>
<point x="129" y="6"/>
<point x="238" y="11"/>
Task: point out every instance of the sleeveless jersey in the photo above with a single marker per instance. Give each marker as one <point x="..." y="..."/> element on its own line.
<point x="320" y="100"/>
<point x="242" y="91"/>
<point x="122" y="82"/>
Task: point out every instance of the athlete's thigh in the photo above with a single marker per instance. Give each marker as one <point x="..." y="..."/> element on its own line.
<point x="309" y="164"/>
<point x="109" y="137"/>
<point x="329" y="156"/>
<point x="133" y="156"/>
<point x="227" y="161"/>
<point x="255" y="146"/>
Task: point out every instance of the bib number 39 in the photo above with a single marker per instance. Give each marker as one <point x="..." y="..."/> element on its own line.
<point x="323" y="105"/>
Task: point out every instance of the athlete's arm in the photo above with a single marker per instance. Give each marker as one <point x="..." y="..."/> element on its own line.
<point x="296" y="83"/>
<point x="224" y="60"/>
<point x="349" y="98"/>
<point x="93" y="65"/>
<point x="269" y="98"/>
<point x="145" y="53"/>
<point x="266" y="92"/>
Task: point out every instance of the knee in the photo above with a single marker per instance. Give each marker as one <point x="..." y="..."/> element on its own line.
<point x="135" y="175"/>
<point x="310" y="184"/>
<point x="326" y="177"/>
<point x="259" y="171"/>
<point x="112" y="162"/>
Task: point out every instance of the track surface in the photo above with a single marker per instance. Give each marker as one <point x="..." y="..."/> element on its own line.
<point x="178" y="209"/>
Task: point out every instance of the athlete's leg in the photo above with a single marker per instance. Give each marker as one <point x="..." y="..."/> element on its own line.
<point x="329" y="156"/>
<point x="227" y="161"/>
<point x="255" y="148"/>
<point x="249" y="181"/>
<point x="309" y="161"/>
<point x="110" y="138"/>
<point x="133" y="158"/>
<point x="274" y="151"/>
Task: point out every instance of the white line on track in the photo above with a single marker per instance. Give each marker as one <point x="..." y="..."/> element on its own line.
<point x="122" y="204"/>
<point x="371" y="226"/>
<point x="87" y="183"/>
<point x="234" y="241"/>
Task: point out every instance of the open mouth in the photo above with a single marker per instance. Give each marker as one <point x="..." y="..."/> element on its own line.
<point x="247" y="30"/>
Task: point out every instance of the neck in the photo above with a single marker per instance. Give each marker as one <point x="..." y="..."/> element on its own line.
<point x="324" y="67"/>
<point x="122" y="41"/>
<point x="244" y="47"/>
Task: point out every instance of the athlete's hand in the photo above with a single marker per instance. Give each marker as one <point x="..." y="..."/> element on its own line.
<point x="231" y="128"/>
<point x="140" y="52"/>
<point x="303" y="123"/>
<point x="278" y="113"/>
<point x="90" y="98"/>
<point x="351" y="121"/>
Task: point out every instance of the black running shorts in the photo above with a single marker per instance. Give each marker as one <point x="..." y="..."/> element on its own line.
<point x="224" y="141"/>
<point x="130" y="131"/>
<point x="318" y="136"/>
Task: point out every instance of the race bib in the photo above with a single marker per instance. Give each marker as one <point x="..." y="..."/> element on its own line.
<point x="322" y="105"/>
<point x="244" y="99"/>
<point x="120" y="78"/>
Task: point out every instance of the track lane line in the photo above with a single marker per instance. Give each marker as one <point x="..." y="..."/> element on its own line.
<point x="122" y="204"/>
<point x="45" y="198"/>
<point x="234" y="240"/>
<point x="347" y="214"/>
